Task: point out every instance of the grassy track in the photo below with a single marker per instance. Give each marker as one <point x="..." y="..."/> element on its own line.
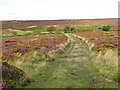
<point x="72" y="69"/>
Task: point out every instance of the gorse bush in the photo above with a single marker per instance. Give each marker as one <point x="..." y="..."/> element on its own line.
<point x="106" y="28"/>
<point x="72" y="29"/>
<point x="50" y="29"/>
<point x="68" y="29"/>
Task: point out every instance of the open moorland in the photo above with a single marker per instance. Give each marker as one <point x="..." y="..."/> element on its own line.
<point x="80" y="53"/>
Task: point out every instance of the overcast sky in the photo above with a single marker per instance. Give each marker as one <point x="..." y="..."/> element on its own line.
<point x="57" y="9"/>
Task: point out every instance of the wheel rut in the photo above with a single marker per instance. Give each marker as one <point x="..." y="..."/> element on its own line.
<point x="72" y="69"/>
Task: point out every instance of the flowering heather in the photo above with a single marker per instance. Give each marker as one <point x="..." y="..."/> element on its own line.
<point x="11" y="76"/>
<point x="116" y="44"/>
<point x="4" y="84"/>
<point x="13" y="45"/>
<point x="101" y="38"/>
<point x="4" y="68"/>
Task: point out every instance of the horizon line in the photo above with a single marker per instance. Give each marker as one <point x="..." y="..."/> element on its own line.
<point x="56" y="19"/>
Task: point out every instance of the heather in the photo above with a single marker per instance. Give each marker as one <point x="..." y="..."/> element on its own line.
<point x="60" y="54"/>
<point x="13" y="77"/>
<point x="19" y="45"/>
<point x="101" y="39"/>
<point x="104" y="46"/>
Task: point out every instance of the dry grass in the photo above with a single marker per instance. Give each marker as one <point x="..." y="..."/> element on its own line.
<point x="106" y="61"/>
<point x="35" y="56"/>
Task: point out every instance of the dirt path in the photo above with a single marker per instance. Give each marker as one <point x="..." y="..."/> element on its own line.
<point x="18" y="30"/>
<point x="71" y="70"/>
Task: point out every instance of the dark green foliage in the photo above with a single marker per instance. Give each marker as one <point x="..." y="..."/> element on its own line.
<point x="72" y="29"/>
<point x="117" y="77"/>
<point x="50" y="29"/>
<point x="9" y="41"/>
<point x="99" y="28"/>
<point x="13" y="76"/>
<point x="68" y="29"/>
<point x="106" y="28"/>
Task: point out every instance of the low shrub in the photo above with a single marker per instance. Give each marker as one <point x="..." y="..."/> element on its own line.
<point x="68" y="29"/>
<point x="117" y="77"/>
<point x="50" y="29"/>
<point x="13" y="77"/>
<point x="106" y="28"/>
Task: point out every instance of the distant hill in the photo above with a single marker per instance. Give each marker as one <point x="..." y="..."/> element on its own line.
<point x="113" y="21"/>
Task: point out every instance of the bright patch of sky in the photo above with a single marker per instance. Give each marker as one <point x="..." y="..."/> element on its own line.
<point x="57" y="9"/>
